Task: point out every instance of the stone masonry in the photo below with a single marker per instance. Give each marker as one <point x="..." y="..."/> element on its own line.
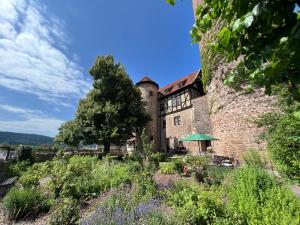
<point x="231" y="113"/>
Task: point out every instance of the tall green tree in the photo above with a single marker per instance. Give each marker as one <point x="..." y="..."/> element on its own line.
<point x="113" y="110"/>
<point x="69" y="133"/>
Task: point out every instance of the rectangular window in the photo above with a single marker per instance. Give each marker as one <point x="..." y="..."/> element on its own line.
<point x="180" y="144"/>
<point x="177" y="120"/>
<point x="164" y="124"/>
<point x="173" y="102"/>
<point x="178" y="100"/>
<point x="162" y="107"/>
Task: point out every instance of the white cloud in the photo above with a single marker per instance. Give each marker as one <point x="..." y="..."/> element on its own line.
<point x="32" y="57"/>
<point x="31" y="121"/>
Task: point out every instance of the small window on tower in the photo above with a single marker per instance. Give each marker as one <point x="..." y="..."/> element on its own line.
<point x="151" y="138"/>
<point x="164" y="124"/>
<point x="150" y="93"/>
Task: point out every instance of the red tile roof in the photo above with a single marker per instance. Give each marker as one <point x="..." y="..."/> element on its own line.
<point x="174" y="86"/>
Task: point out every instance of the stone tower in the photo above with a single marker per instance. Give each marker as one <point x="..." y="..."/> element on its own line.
<point x="149" y="90"/>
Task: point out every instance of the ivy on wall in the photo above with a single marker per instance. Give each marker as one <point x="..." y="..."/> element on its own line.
<point x="266" y="33"/>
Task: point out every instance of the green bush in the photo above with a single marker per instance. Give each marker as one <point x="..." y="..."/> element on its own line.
<point x="253" y="197"/>
<point x="167" y="168"/>
<point x="82" y="177"/>
<point x="32" y="176"/>
<point x="253" y="158"/>
<point x="144" y="186"/>
<point x="17" y="168"/>
<point x="194" y="204"/>
<point x="24" y="153"/>
<point x="216" y="174"/>
<point x="284" y="144"/>
<point x="179" y="164"/>
<point x="105" y="176"/>
<point x="197" y="161"/>
<point x="24" y="203"/>
<point x="66" y="213"/>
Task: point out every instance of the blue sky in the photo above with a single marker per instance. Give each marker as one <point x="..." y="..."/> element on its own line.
<point x="48" y="46"/>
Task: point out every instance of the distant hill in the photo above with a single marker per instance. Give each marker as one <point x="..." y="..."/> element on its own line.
<point x="26" y="139"/>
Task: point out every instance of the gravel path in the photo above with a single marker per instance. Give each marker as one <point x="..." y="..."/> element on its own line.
<point x="295" y="189"/>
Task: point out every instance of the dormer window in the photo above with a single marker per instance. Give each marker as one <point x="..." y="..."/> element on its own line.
<point x="168" y="90"/>
<point x="181" y="84"/>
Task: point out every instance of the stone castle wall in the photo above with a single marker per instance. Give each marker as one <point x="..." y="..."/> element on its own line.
<point x="232" y="113"/>
<point x="232" y="116"/>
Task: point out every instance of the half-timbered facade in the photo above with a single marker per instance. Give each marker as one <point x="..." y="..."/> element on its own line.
<point x="175" y="115"/>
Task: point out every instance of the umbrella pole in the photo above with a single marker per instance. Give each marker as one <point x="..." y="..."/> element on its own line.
<point x="199" y="147"/>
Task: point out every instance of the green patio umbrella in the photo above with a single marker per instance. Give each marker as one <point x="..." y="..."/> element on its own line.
<point x="198" y="137"/>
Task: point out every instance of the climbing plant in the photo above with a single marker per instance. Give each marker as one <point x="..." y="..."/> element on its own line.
<point x="263" y="36"/>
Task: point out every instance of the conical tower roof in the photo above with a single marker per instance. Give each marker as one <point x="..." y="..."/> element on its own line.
<point x="147" y="80"/>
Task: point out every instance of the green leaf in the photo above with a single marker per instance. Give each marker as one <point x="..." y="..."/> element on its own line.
<point x="237" y="24"/>
<point x="248" y="20"/>
<point x="171" y="2"/>
<point x="198" y="10"/>
<point x="226" y="38"/>
<point x="257" y="10"/>
<point x="297" y="114"/>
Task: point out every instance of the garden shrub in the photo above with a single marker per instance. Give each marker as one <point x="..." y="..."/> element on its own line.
<point x="18" y="167"/>
<point x="24" y="153"/>
<point x="179" y="164"/>
<point x="253" y="158"/>
<point x="194" y="204"/>
<point x="81" y="177"/>
<point x="32" y="176"/>
<point x="284" y="145"/>
<point x="196" y="162"/>
<point x="167" y="168"/>
<point x="280" y="207"/>
<point x="66" y="213"/>
<point x="24" y="203"/>
<point x="216" y="174"/>
<point x="144" y="186"/>
<point x="105" y="176"/>
<point x="253" y="197"/>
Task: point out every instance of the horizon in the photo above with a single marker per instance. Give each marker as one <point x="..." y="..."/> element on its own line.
<point x="47" y="48"/>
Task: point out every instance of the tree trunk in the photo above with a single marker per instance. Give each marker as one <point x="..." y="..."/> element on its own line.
<point x="106" y="148"/>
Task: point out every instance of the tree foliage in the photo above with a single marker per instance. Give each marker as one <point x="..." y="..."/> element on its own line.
<point x="111" y="112"/>
<point x="69" y="133"/>
<point x="265" y="33"/>
<point x="283" y="141"/>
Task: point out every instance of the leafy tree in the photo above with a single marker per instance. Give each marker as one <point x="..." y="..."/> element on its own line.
<point x="69" y="133"/>
<point x="24" y="153"/>
<point x="112" y="111"/>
